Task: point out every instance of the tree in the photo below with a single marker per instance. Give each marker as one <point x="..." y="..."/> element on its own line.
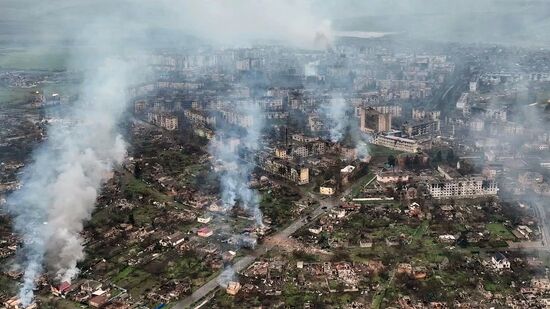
<point x="438" y="157"/>
<point x="340" y="255"/>
<point x="408" y="162"/>
<point x="466" y="168"/>
<point x="137" y="170"/>
<point x="451" y="158"/>
<point x="416" y="161"/>
<point x="391" y="160"/>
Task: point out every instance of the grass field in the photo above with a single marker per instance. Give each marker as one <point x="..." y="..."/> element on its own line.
<point x="134" y="187"/>
<point x="14" y="96"/>
<point x="500" y="231"/>
<point x="33" y="59"/>
<point x="135" y="280"/>
<point x="56" y="303"/>
<point x="380" y="151"/>
<point x="7" y="285"/>
<point x="123" y="274"/>
<point x="358" y="185"/>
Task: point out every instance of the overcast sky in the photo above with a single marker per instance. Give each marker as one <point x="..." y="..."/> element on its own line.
<point x="521" y="21"/>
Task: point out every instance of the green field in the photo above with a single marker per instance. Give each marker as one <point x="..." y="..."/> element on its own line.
<point x="381" y="151"/>
<point x="358" y="185"/>
<point x="34" y="59"/>
<point x="15" y="96"/>
<point x="135" y="280"/>
<point x="500" y="231"/>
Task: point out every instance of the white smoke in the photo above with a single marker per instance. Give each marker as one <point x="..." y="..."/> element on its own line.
<point x="339" y="119"/>
<point x="242" y="21"/>
<point x="361" y="141"/>
<point x="229" y="22"/>
<point x="60" y="187"/>
<point x="227" y="276"/>
<point x="336" y="113"/>
<point x="226" y="148"/>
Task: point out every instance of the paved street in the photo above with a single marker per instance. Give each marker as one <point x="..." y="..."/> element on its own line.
<point x="324" y="206"/>
<point x="542" y="245"/>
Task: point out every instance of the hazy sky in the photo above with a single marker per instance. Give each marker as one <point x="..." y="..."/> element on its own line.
<point x="521" y="21"/>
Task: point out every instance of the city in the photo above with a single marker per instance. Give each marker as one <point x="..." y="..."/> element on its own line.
<point x="367" y="172"/>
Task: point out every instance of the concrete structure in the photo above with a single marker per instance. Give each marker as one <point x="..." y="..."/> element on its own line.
<point x="233" y="288"/>
<point x="204" y="232"/>
<point x="164" y="120"/>
<point x="541" y="284"/>
<point x="301" y="150"/>
<point x="462" y="101"/>
<point x="473" y="86"/>
<point x="499" y="261"/>
<point x="466" y="187"/>
<point x="176" y="238"/>
<point x="139" y="106"/>
<point x="98" y="301"/>
<point x="197" y="117"/>
<point x="393" y="110"/>
<point x="391" y="177"/>
<point x="238" y="119"/>
<point x="205" y="219"/>
<point x="315" y="123"/>
<point x="348" y="169"/>
<point x="304" y="139"/>
<point x="284" y="168"/>
<point x="373" y="121"/>
<point x="282" y="153"/>
<point x="421" y="128"/>
<point x="15" y="303"/>
<point x="420" y="114"/>
<point x="397" y="143"/>
<point x="328" y="188"/>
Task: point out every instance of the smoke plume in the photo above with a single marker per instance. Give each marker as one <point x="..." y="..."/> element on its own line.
<point x="361" y="145"/>
<point x="61" y="185"/>
<point x="336" y="112"/>
<point x="231" y="148"/>
<point x="340" y="122"/>
<point x="227" y="148"/>
<point x="227" y="275"/>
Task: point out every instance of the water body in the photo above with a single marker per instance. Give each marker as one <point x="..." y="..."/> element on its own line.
<point x="362" y="34"/>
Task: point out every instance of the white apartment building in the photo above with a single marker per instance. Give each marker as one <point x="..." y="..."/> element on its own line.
<point x="467" y="187"/>
<point x="394" y="110"/>
<point x="397" y="143"/>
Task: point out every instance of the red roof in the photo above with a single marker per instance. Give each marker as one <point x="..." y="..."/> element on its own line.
<point x="203" y="230"/>
<point x="64" y="286"/>
<point x="98" y="301"/>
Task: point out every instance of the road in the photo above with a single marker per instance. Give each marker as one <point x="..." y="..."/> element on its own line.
<point x="544" y="224"/>
<point x="379" y="297"/>
<point x="325" y="205"/>
<point x="542" y="245"/>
